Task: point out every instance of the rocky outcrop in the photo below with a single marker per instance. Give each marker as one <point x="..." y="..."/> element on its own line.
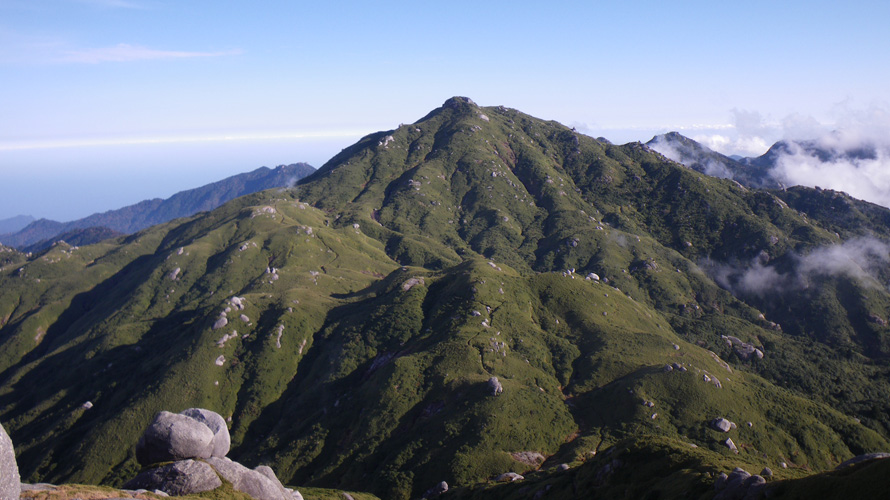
<point x="196" y="442"/>
<point x="214" y="421"/>
<point x="436" y="490"/>
<point x="721" y="424"/>
<point x="185" y="477"/>
<point x="495" y="386"/>
<point x="738" y="485"/>
<point x="171" y="437"/>
<point x="10" y="482"/>
<point x="259" y="483"/>
<point x="509" y="477"/>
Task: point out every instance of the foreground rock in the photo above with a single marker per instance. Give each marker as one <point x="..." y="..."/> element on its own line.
<point x="10" y="482"/>
<point x="196" y="441"/>
<point x="185" y="477"/>
<point x="738" y="485"/>
<point x="214" y="421"/>
<point x="260" y="483"/>
<point x="171" y="437"/>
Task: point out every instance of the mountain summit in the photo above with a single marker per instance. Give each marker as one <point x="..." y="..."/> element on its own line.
<point x="475" y="294"/>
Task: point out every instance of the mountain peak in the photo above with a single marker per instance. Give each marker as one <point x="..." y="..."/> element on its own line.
<point x="458" y="102"/>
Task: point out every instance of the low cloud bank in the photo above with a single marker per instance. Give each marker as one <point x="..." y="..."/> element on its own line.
<point x="861" y="259"/>
<point x="672" y="152"/>
<point x="843" y="161"/>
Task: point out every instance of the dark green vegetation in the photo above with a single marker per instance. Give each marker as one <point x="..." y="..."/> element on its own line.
<point x="41" y="234"/>
<point x="383" y="292"/>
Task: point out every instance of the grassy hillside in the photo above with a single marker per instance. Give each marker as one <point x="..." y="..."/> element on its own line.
<point x="617" y="298"/>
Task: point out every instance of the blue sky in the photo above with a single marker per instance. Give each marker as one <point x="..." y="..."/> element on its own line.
<point x="107" y="102"/>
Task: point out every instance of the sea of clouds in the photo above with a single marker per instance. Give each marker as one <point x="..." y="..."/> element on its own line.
<point x="853" y="132"/>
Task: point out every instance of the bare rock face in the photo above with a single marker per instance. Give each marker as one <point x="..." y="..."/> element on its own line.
<point x="10" y="482"/>
<point x="172" y="437"/>
<point x="252" y="482"/>
<point x="221" y="439"/>
<point x="179" y="478"/>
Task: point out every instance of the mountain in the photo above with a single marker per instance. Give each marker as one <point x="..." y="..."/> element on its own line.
<point x="14" y="224"/>
<point x="147" y="213"/>
<point x="476" y="293"/>
<point x="749" y="172"/>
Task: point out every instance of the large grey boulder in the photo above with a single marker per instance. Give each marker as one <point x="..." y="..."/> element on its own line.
<point x="179" y="478"/>
<point x="721" y="424"/>
<point x="172" y="437"/>
<point x="221" y="439"/>
<point x="495" y="386"/>
<point x="10" y="482"/>
<point x="252" y="482"/>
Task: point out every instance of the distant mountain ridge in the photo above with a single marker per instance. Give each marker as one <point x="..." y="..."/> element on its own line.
<point x="148" y="213"/>
<point x="14" y="224"/>
<point x="771" y="169"/>
<point x="750" y="172"/>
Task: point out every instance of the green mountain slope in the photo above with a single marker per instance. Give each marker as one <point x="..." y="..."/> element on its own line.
<point x="369" y="310"/>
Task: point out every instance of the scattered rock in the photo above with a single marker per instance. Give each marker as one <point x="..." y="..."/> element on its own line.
<point x="214" y="421"/>
<point x="532" y="458"/>
<point x="509" y="477"/>
<point x="766" y="472"/>
<point x="237" y="302"/>
<point x="220" y="360"/>
<point x="874" y="318"/>
<point x="10" y="482"/>
<point x="175" y="273"/>
<point x="221" y="322"/>
<point x="729" y="444"/>
<point x="407" y="285"/>
<point x="245" y="319"/>
<point x="184" y="477"/>
<point x="87" y="405"/>
<point x="562" y="467"/>
<point x="738" y="485"/>
<point x="495" y="385"/>
<point x="436" y="490"/>
<point x="721" y="424"/>
<point x="172" y="436"/>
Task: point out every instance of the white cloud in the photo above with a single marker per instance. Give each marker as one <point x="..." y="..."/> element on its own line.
<point x="854" y="157"/>
<point x="859" y="259"/>
<point x="126" y="141"/>
<point x="125" y="52"/>
<point x="735" y="144"/>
